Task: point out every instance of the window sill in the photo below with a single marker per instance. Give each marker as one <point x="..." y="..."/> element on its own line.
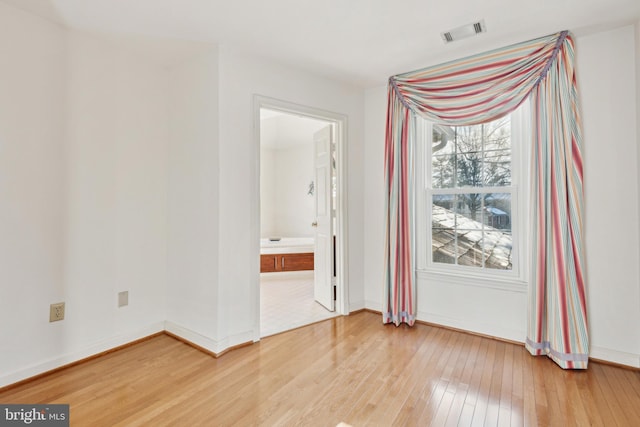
<point x="511" y="284"/>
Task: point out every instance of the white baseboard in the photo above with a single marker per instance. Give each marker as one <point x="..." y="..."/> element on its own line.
<point x="91" y="350"/>
<point x="373" y="305"/>
<point x="492" y="330"/>
<point x="600" y="353"/>
<point x="123" y="339"/>
<point x="205" y="342"/>
<point x="355" y="306"/>
<point x="615" y="356"/>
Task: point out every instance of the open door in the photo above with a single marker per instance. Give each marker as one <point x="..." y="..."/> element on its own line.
<point x="323" y="259"/>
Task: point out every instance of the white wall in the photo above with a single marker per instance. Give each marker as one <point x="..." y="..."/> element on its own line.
<point x="606" y="73"/>
<point x="241" y="77"/>
<point x="607" y="79"/>
<point x="83" y="190"/>
<point x="116" y="200"/>
<point x="32" y="189"/>
<point x="374" y="236"/>
<point x="192" y="293"/>
<point x="294" y="207"/>
<point x="286" y="170"/>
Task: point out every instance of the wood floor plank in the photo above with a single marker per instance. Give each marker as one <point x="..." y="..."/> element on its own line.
<point x="468" y="410"/>
<point x="409" y="413"/>
<point x="528" y="395"/>
<point x="349" y="369"/>
<point x="482" y="401"/>
<point x="517" y="389"/>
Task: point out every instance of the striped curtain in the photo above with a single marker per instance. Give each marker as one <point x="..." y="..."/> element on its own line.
<point x="400" y="291"/>
<point x="480" y="89"/>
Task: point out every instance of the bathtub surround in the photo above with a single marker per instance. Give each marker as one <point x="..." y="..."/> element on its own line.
<point x="287" y="245"/>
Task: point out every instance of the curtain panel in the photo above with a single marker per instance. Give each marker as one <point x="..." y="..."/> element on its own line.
<point x="479" y="89"/>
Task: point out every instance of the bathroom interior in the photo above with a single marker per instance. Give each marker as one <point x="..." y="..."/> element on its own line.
<point x="287" y="221"/>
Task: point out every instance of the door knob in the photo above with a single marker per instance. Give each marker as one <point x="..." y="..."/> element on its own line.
<point x="314" y="224"/>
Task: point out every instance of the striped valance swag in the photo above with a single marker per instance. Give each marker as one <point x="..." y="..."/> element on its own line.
<point x="479" y="89"/>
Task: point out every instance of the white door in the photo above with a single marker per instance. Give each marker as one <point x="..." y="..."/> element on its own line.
<point x="323" y="258"/>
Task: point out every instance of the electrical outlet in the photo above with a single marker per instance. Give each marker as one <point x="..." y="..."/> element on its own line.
<point x="56" y="312"/>
<point x="123" y="298"/>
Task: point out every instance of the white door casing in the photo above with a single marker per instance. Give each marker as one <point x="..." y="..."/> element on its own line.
<point x="340" y="127"/>
<point x="323" y="258"/>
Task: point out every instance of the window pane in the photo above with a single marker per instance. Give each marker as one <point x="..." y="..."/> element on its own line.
<point x="497" y="152"/>
<point x="498" y="238"/>
<point x="443" y="158"/>
<point x="469" y="210"/>
<point x="443" y="140"/>
<point x="497" y="246"/>
<point x="444" y="245"/>
<point x="472" y="156"/>
<point x="443" y="236"/>
<point x="442" y="211"/>
<point x="497" y="168"/>
<point x="497" y="211"/>
<point x="443" y="167"/>
<point x="473" y="256"/>
<point x="472" y="229"/>
<point x="468" y="156"/>
<point x="469" y="169"/>
<point x="469" y="229"/>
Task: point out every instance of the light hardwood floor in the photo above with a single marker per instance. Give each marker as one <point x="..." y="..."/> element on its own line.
<point x="351" y="369"/>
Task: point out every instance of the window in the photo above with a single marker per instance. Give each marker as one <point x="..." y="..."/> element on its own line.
<point x="471" y="197"/>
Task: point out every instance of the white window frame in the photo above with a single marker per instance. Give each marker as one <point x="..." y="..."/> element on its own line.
<point x="514" y="279"/>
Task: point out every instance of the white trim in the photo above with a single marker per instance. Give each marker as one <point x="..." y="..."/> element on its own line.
<point x="205" y="342"/>
<point x="357" y="305"/>
<point x="493" y="330"/>
<point x="470" y="278"/>
<point x="83" y="353"/>
<point x="615" y="356"/>
<point x="340" y="122"/>
<point x="194" y="337"/>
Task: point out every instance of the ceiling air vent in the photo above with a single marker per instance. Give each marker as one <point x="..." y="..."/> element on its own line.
<point x="464" y="31"/>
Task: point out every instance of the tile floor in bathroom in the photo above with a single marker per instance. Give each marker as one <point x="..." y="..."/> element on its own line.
<point x="286" y="302"/>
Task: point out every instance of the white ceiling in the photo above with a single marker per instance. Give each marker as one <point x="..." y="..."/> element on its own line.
<point x="359" y="41"/>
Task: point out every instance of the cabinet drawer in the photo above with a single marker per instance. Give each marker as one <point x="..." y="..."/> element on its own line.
<point x="286" y="262"/>
<point x="268" y="263"/>
<point x="297" y="262"/>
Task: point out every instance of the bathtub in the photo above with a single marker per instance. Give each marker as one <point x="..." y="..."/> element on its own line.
<point x="287" y="254"/>
<point x="289" y="245"/>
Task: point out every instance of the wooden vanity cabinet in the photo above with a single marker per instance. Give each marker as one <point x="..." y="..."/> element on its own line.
<point x="286" y="262"/>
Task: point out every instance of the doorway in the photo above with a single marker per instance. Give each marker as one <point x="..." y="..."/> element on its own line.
<point x="292" y="223"/>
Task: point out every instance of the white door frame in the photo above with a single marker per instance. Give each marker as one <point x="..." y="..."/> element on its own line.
<point x="340" y="123"/>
